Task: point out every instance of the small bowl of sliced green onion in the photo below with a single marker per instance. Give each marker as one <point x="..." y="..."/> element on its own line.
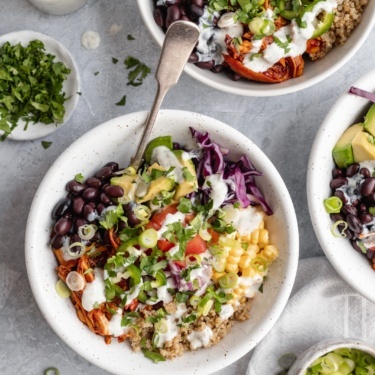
<point x="336" y="357"/>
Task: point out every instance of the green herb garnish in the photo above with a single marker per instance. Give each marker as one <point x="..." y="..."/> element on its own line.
<point x="138" y="71"/>
<point x="114" y="60"/>
<point x="122" y="102"/>
<point x="45" y="144"/>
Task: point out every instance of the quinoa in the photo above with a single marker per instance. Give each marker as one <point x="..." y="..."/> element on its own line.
<point x="347" y="18"/>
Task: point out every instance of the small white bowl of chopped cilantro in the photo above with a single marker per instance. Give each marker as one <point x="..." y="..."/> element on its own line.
<point x="338" y="357"/>
<point x="39" y="85"/>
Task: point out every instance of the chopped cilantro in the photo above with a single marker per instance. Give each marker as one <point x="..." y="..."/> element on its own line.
<point x="31" y="86"/>
<point x="79" y="177"/>
<point x="122" y="102"/>
<point x="130" y="37"/>
<point x="114" y="60"/>
<point x="96" y="73"/>
<point x="138" y="71"/>
<point x="45" y="144"/>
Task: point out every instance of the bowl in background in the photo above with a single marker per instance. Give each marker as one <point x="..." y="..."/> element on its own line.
<point x="314" y="71"/>
<point x="353" y="267"/>
<point x="322" y="348"/>
<point x="116" y="140"/>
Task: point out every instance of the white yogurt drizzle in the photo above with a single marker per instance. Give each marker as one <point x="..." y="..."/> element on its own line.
<point x="94" y="292"/>
<point x="198" y="339"/>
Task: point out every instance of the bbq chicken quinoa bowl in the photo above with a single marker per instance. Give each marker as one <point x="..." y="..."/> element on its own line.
<point x="166" y="260"/>
<point x="246" y="43"/>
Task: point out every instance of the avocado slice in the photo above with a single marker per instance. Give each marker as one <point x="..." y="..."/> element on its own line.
<point x="343" y="152"/>
<point x="363" y="147"/>
<point x="156" y="187"/>
<point x="187" y="186"/>
<point x="159" y="141"/>
<point x="369" y="122"/>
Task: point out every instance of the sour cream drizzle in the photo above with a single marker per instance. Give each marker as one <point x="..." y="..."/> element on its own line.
<point x="198" y="339"/>
<point x="94" y="292"/>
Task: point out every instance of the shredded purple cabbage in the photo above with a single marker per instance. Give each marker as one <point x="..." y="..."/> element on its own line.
<point x="240" y="175"/>
<point x="362" y="93"/>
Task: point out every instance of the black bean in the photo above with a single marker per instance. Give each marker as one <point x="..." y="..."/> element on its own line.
<point x="74" y="187"/>
<point x="235" y="77"/>
<point x="370" y="254"/>
<point x="104" y="173"/>
<point x="193" y="58"/>
<point x="365" y="218"/>
<point x="93" y="182"/>
<point x="362" y="207"/>
<point x="184" y="18"/>
<point x="349" y="209"/>
<point x="365" y="172"/>
<point x="80" y="223"/>
<point x="338" y="182"/>
<point x="57" y="241"/>
<point x="105" y="199"/>
<point x="341" y="195"/>
<point x="196" y="11"/>
<point x="337" y="173"/>
<point x="348" y="233"/>
<point x="352" y="170"/>
<point x="88" y="213"/>
<point x="172" y="2"/>
<point x="355" y="202"/>
<point x="173" y="14"/>
<point x="354" y="223"/>
<point x="100" y="208"/>
<point x="355" y="246"/>
<point x="90" y="194"/>
<point x="367" y="187"/>
<point x="114" y="191"/>
<point x="129" y="213"/>
<point x="113" y="165"/>
<point x="78" y="204"/>
<point x="217" y="68"/>
<point x="61" y="208"/>
<point x="336" y="217"/>
<point x="205" y="64"/>
<point x="199" y="3"/>
<point x="63" y="226"/>
<point x="158" y="17"/>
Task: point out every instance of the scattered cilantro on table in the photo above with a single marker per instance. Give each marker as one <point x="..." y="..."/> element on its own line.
<point x="122" y="102"/>
<point x="46" y="144"/>
<point x="138" y="71"/>
<point x="30" y="86"/>
<point x="130" y="37"/>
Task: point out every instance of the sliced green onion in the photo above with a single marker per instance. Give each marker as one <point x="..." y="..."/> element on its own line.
<point x="261" y="26"/>
<point x="204" y="234"/>
<point x="194" y="300"/>
<point x="193" y="260"/>
<point x="154" y="356"/>
<point x="51" y="371"/>
<point x="148" y="238"/>
<point x="335" y="225"/>
<point x="62" y="289"/>
<point x="74" y="254"/>
<point x="229" y="280"/>
<point x="142" y="212"/>
<point x="161" y="326"/>
<point x="87" y="231"/>
<point x="332" y="205"/>
<point x="75" y="281"/>
<point x="259" y="264"/>
<point x="206" y="308"/>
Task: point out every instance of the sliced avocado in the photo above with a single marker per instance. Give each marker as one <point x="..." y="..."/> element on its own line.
<point x="186" y="187"/>
<point x="127" y="182"/>
<point x="369" y="122"/>
<point x="363" y="147"/>
<point x="156" y="187"/>
<point x="159" y="141"/>
<point x="343" y="151"/>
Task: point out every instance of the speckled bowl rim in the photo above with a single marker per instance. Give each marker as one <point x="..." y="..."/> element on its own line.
<point x="119" y="138"/>
<point x="71" y="86"/>
<point x="324" y="347"/>
<point x="350" y="265"/>
<point x="314" y="72"/>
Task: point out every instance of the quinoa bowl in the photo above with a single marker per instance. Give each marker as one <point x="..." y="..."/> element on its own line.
<point x="307" y="72"/>
<point x="109" y="143"/>
<point x="353" y="265"/>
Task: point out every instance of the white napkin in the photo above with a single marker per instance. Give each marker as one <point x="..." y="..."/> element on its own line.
<point x="322" y="306"/>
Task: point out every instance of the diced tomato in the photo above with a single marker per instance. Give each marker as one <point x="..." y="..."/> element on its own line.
<point x="165" y="245"/>
<point x="180" y="263"/>
<point x="159" y="217"/>
<point x="152" y="225"/>
<point x="189" y="218"/>
<point x="196" y="245"/>
<point x="214" y="235"/>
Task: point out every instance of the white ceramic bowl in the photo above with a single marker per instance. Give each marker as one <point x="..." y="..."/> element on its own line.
<point x="71" y="85"/>
<point x="314" y="72"/>
<point x="116" y="140"/>
<point x="324" y="347"/>
<point x="352" y="266"/>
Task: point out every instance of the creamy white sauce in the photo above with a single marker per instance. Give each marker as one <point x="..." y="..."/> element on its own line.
<point x="166" y="159"/>
<point x="219" y="189"/>
<point x="172" y="322"/>
<point x="226" y="312"/>
<point x="245" y="220"/>
<point x="114" y="326"/>
<point x="198" y="339"/>
<point x="250" y="284"/>
<point x="90" y="39"/>
<point x="132" y="294"/>
<point x="170" y="219"/>
<point x="94" y="292"/>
